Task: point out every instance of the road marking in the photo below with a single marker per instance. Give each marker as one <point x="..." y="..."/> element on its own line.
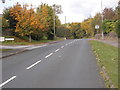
<point x="33" y="64"/>
<point x="62" y="46"/>
<point x="66" y="44"/>
<point x="48" y="55"/>
<point x="34" y="47"/>
<point x="57" y="50"/>
<point x="7" y="81"/>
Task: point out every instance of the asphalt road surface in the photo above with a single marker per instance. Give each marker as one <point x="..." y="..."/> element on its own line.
<point x="66" y="64"/>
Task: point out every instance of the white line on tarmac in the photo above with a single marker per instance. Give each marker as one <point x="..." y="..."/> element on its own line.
<point x="66" y="44"/>
<point x="7" y="81"/>
<point x="33" y="64"/>
<point x="62" y="46"/>
<point x="57" y="50"/>
<point x="48" y="55"/>
<point x="34" y="47"/>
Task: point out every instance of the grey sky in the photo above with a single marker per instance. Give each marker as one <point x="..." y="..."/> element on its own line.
<point x="74" y="10"/>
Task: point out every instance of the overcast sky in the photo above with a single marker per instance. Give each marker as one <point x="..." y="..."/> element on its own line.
<point x="74" y="10"/>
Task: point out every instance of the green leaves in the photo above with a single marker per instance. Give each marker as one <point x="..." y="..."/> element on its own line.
<point x="108" y="26"/>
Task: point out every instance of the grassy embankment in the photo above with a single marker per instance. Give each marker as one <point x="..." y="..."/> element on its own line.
<point x="19" y="41"/>
<point x="107" y="57"/>
<point x="4" y="50"/>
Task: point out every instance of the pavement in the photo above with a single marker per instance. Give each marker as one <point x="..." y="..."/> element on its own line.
<point x="110" y="42"/>
<point x="66" y="64"/>
<point x="20" y="48"/>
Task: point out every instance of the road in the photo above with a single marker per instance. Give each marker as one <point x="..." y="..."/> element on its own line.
<point x="67" y="64"/>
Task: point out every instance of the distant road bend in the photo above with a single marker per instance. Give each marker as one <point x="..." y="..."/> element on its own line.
<point x="66" y="64"/>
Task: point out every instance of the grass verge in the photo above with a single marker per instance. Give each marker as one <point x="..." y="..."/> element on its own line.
<point x="4" y="50"/>
<point x="107" y="57"/>
<point x="22" y="42"/>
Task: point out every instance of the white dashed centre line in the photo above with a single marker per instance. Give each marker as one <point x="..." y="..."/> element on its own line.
<point x="66" y="44"/>
<point x="7" y="81"/>
<point x="62" y="46"/>
<point x="57" y="50"/>
<point x="48" y="55"/>
<point x="33" y="64"/>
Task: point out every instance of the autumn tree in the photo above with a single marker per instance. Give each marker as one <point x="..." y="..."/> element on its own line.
<point x="88" y="26"/>
<point x="76" y="30"/>
<point x="46" y="13"/>
<point x="25" y="18"/>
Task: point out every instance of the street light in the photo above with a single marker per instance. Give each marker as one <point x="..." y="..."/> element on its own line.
<point x="56" y="10"/>
<point x="102" y="19"/>
<point x="3" y="1"/>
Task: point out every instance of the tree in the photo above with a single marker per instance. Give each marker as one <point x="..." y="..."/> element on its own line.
<point x="25" y="19"/>
<point x="97" y="21"/>
<point x="108" y="26"/>
<point x="63" y="31"/>
<point x="46" y="12"/>
<point x="27" y="22"/>
<point x="80" y="34"/>
<point x="5" y="23"/>
<point x="108" y="13"/>
<point x="88" y="27"/>
<point x="118" y="20"/>
<point x="10" y="20"/>
<point x="76" y="30"/>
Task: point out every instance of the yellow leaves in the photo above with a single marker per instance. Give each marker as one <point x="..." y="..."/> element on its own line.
<point x="31" y="32"/>
<point x="32" y="23"/>
<point x="17" y="29"/>
<point x="86" y="25"/>
<point x="29" y="21"/>
<point x="26" y="5"/>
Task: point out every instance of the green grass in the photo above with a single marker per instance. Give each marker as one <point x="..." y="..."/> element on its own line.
<point x="19" y="41"/>
<point x="4" y="50"/>
<point x="108" y="56"/>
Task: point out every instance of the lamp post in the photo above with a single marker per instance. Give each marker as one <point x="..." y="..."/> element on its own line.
<point x="54" y="13"/>
<point x="102" y="20"/>
<point x="3" y="1"/>
<point x="56" y="10"/>
<point x="65" y="19"/>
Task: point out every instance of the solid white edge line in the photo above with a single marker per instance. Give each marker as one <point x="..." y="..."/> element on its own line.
<point x="48" y="55"/>
<point x="33" y="64"/>
<point x="7" y="81"/>
<point x="57" y="50"/>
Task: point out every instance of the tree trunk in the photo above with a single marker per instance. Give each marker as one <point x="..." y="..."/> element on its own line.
<point x="30" y="38"/>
